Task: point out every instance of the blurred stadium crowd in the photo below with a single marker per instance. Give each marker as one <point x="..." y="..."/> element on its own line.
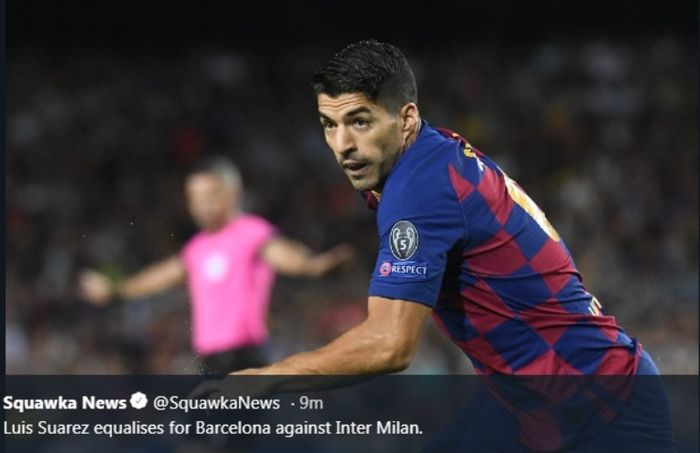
<point x="602" y="134"/>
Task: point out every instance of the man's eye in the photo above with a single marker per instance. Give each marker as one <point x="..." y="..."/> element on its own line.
<point x="361" y="123"/>
<point x="327" y="126"/>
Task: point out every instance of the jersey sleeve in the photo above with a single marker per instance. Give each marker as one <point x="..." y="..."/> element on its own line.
<point x="258" y="232"/>
<point x="417" y="228"/>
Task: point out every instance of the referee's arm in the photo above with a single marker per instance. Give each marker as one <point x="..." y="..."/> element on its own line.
<point x="99" y="289"/>
<point x="385" y="342"/>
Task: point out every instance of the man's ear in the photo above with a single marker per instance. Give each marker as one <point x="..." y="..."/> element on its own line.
<point x="410" y="119"/>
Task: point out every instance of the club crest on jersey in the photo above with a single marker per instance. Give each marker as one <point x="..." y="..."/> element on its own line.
<point x="403" y="240"/>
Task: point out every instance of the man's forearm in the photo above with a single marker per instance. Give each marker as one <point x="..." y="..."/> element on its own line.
<point x="294" y="259"/>
<point x="362" y="350"/>
<point x="350" y="359"/>
<point x="152" y="280"/>
<point x="384" y="343"/>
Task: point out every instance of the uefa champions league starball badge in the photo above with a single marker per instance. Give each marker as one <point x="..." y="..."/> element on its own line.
<point x="404" y="240"/>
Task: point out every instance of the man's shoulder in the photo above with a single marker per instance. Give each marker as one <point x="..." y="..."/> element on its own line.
<point x="249" y="230"/>
<point x="191" y="245"/>
<point x="248" y="220"/>
<point x="421" y="176"/>
<point x="237" y="227"/>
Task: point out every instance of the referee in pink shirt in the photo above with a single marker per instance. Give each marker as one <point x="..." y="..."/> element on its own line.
<point x="229" y="267"/>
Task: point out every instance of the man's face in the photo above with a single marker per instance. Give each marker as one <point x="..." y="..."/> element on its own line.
<point x="365" y="138"/>
<point x="210" y="200"/>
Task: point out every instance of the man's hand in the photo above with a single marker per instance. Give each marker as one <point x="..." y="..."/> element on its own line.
<point x="294" y="259"/>
<point x="337" y="256"/>
<point x="94" y="287"/>
<point x="98" y="289"/>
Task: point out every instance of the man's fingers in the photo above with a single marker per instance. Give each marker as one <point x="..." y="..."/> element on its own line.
<point x="205" y="390"/>
<point x="341" y="254"/>
<point x="94" y="287"/>
<point x="344" y="250"/>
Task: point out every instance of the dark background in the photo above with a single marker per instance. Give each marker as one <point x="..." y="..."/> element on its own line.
<point x="272" y="26"/>
<point x="591" y="106"/>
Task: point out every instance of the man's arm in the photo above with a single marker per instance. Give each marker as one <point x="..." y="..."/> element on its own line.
<point x="294" y="259"/>
<point x="384" y="343"/>
<point x="99" y="289"/>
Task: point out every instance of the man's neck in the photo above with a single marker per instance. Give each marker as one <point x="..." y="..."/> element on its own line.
<point x="413" y="135"/>
<point x="377" y="191"/>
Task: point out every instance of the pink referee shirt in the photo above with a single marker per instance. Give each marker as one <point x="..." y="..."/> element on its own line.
<point x="229" y="284"/>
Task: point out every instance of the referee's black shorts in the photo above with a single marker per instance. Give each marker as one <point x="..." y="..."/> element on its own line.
<point x="233" y="360"/>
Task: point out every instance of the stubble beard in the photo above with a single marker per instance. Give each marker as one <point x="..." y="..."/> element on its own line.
<point x="366" y="183"/>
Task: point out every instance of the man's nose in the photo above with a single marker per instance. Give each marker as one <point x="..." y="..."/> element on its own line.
<point x="344" y="142"/>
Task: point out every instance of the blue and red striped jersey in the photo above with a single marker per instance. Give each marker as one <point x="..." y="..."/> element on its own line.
<point x="458" y="235"/>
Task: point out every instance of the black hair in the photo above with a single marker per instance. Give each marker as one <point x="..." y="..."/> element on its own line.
<point x="378" y="70"/>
